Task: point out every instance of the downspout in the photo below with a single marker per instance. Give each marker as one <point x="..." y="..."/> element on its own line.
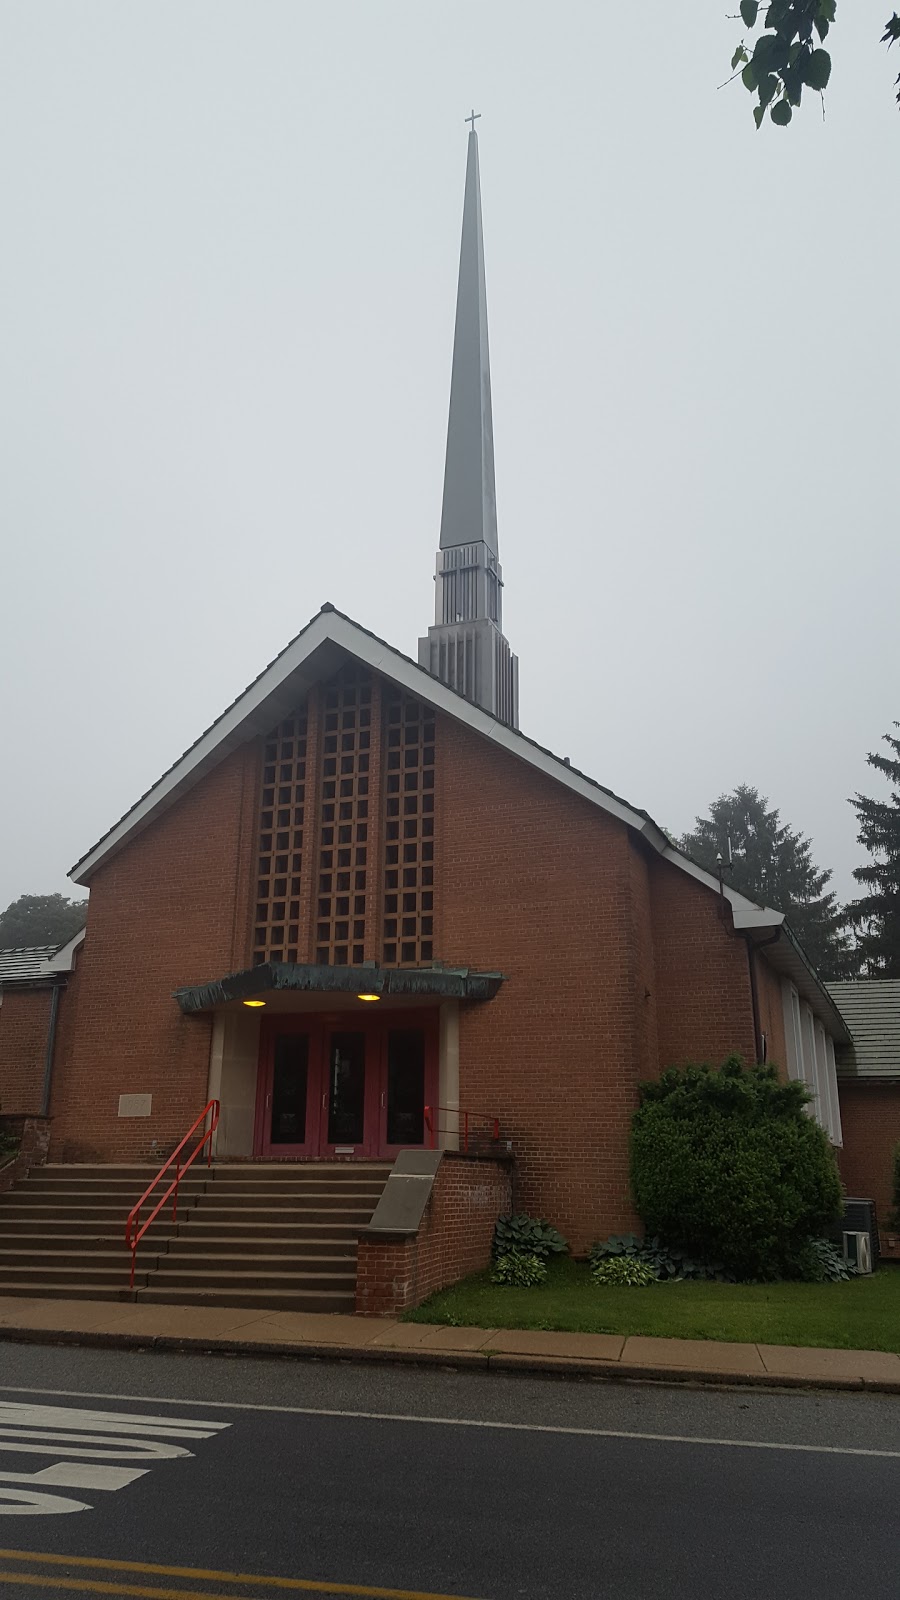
<point x="51" y="1042"/>
<point x="753" y="945"/>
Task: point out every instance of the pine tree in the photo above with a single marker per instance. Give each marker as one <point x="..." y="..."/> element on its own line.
<point x="773" y="863"/>
<point x="876" y="915"/>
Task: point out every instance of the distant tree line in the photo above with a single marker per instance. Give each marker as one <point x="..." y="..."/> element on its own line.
<point x="36" y="919"/>
<point x="765" y="858"/>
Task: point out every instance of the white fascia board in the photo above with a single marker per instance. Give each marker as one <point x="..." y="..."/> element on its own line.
<point x="746" y="913"/>
<point x="64" y="960"/>
<point x="748" y="916"/>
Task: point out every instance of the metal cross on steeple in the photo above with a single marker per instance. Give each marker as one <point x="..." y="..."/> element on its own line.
<point x="475" y="117"/>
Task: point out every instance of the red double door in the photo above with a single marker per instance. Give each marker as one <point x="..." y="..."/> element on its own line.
<point x="346" y="1085"/>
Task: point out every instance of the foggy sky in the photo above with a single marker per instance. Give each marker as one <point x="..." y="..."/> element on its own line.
<point x="227" y="284"/>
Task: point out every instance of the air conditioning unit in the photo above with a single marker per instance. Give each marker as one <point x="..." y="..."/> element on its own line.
<point x="858" y="1251"/>
<point x="860" y="1217"/>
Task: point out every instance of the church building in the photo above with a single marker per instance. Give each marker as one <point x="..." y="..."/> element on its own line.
<point x="379" y="925"/>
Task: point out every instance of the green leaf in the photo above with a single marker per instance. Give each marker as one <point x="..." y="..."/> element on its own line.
<point x="817" y="70"/>
<point x="781" y="113"/>
<point x="749" y="12"/>
<point x="749" y="77"/>
<point x="768" y="90"/>
<point x="758" y="114"/>
<point x="822" y="25"/>
<point x="740" y="54"/>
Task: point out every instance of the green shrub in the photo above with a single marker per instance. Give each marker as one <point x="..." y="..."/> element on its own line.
<point x="519" y="1270"/>
<point x="625" y="1272"/>
<point x="667" y="1262"/>
<point x="727" y="1166"/>
<point x="820" y="1261"/>
<point x="528" y="1235"/>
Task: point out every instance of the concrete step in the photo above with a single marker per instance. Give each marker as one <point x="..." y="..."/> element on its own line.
<point x="91" y="1234"/>
<point x="15" y="1207"/>
<point x="200" y="1244"/>
<point x="73" y="1273"/>
<point x="37" y="1290"/>
<point x="246" y="1275"/>
<point x="264" y="1236"/>
<point x="81" y="1260"/>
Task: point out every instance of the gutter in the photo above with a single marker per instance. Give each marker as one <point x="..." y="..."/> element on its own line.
<point x="752" y="946"/>
<point x="51" y="1044"/>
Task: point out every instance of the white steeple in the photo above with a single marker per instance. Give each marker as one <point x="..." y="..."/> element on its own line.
<point x="465" y="648"/>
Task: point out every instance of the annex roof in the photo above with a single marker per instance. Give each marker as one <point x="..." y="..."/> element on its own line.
<point x="871" y="1009"/>
<point x="31" y="963"/>
<point x="26" y="964"/>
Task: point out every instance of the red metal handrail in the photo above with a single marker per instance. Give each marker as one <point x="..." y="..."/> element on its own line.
<point x="461" y="1131"/>
<point x="133" y="1233"/>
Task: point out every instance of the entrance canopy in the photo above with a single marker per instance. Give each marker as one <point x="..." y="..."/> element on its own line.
<point x="420" y="983"/>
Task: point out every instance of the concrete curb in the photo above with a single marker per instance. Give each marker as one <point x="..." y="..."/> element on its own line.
<point x="565" y="1367"/>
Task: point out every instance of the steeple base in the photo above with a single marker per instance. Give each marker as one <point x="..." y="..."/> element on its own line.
<point x="474" y="658"/>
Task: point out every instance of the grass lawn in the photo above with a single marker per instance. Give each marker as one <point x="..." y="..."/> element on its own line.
<point x="863" y="1314"/>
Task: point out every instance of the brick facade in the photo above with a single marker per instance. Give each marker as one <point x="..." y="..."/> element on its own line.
<point x="702" y="972"/>
<point x="870" y="1113"/>
<point x="615" y="962"/>
<point x="454" y="1238"/>
<point x="24" y="1024"/>
<point x="171" y="908"/>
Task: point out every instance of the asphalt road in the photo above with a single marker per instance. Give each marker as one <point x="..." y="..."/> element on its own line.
<point x="163" y="1476"/>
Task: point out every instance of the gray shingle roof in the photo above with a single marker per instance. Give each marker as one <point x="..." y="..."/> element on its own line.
<point x="25" y="964"/>
<point x="871" y="1009"/>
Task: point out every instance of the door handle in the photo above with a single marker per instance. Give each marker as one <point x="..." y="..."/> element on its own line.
<point x="268" y="1101"/>
<point x="325" y="1102"/>
<point x="382" y="1102"/>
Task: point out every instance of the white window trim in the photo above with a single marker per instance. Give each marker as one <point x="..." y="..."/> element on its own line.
<point x="810" y="1059"/>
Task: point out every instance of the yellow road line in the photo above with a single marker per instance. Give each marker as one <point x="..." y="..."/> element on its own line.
<point x="196" y="1574"/>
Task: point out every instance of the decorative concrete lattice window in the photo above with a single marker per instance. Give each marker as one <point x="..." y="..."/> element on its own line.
<point x="409" y="831"/>
<point x="277" y="926"/>
<point x="343" y="835"/>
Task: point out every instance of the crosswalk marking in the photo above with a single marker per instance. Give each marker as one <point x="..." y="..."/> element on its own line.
<point x="84" y="1443"/>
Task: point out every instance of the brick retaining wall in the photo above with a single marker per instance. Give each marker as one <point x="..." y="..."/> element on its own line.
<point x="453" y="1239"/>
<point x="34" y="1140"/>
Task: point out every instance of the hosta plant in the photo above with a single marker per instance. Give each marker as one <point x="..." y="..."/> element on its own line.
<point x="518" y="1270"/>
<point x="531" y="1235"/>
<point x="623" y="1272"/>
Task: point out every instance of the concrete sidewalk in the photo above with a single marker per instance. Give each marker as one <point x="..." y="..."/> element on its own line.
<point x="306" y="1334"/>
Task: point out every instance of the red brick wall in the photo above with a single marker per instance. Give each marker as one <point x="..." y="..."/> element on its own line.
<point x="24" y="1021"/>
<point x="170" y="909"/>
<point x="702" y="973"/>
<point x="613" y="963"/>
<point x="454" y="1238"/>
<point x="537" y="883"/>
<point x="870" y="1117"/>
<point x="771" y="1010"/>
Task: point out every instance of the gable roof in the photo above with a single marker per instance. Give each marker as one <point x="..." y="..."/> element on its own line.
<point x="317" y="652"/>
<point x="871" y="1008"/>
